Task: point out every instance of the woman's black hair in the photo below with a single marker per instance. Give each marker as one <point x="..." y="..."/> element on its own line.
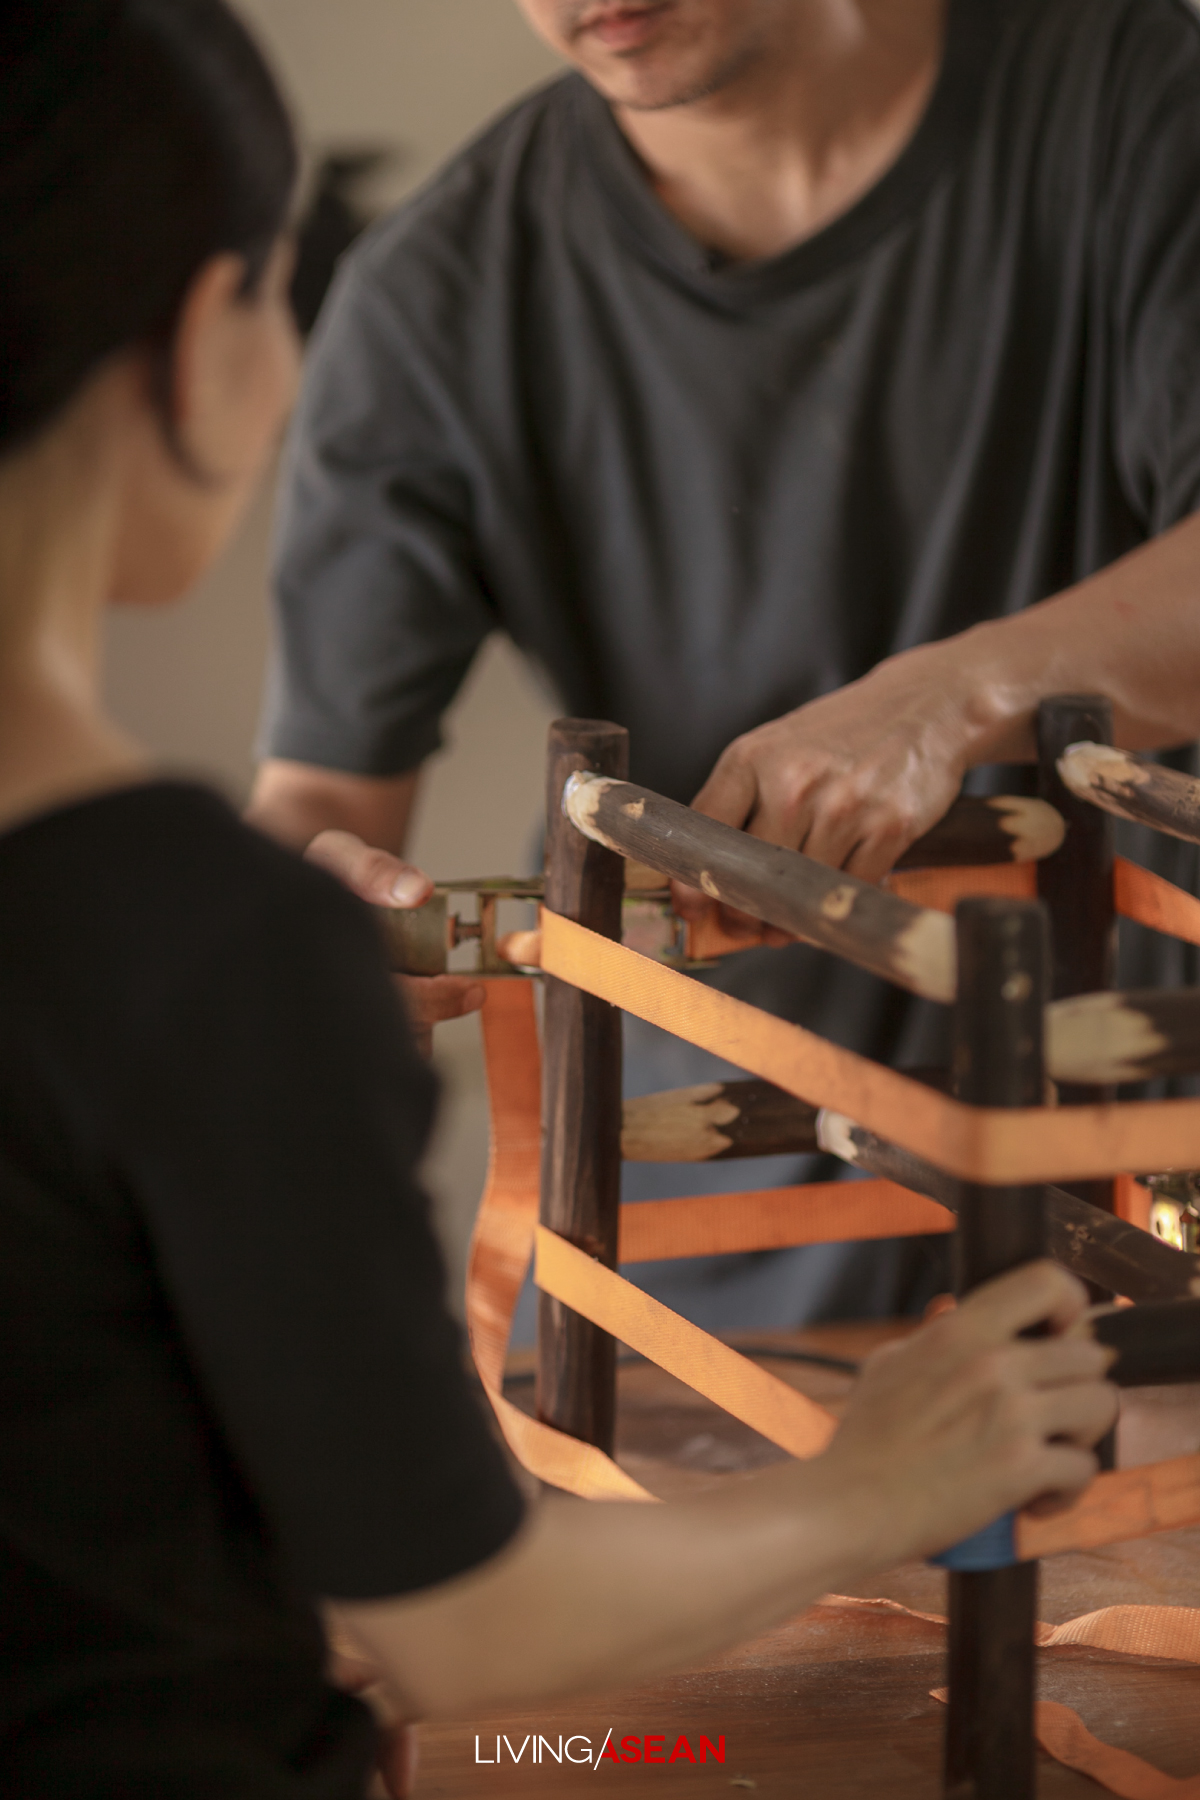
<point x="138" y="138"/>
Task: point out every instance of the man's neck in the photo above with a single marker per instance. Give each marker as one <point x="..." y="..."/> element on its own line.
<point x="803" y="132"/>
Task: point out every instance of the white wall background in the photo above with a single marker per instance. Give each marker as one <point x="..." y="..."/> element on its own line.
<point x="421" y="75"/>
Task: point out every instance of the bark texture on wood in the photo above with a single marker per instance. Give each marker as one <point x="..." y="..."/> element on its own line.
<point x="909" y="945"/>
<point x="716" y="1121"/>
<point x="1126" y="1036"/>
<point x="977" y="832"/>
<point x="1133" y="787"/>
<point x="1003" y="955"/>
<point x="1158" y="1345"/>
<point x="1077" y="885"/>
<point x="581" y="1095"/>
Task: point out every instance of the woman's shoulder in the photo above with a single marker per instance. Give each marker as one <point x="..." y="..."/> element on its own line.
<point x="152" y="877"/>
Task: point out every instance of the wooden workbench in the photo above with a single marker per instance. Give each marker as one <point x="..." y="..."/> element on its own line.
<point x="835" y="1705"/>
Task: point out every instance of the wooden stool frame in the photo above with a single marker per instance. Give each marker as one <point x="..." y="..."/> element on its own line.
<point x="1007" y="971"/>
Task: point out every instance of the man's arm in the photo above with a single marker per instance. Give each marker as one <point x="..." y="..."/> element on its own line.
<point x="944" y="1433"/>
<point x="853" y="778"/>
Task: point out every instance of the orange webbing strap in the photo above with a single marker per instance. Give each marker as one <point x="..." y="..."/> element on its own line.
<point x="1127" y="1503"/>
<point x="1150" y="900"/>
<point x="502" y="1245"/>
<point x="1138" y="894"/>
<point x="974" y="1143"/>
<point x="942" y="889"/>
<point x="824" y="1212"/>
<point x="779" y="1412"/>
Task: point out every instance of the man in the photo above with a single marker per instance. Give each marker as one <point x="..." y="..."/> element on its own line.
<point x="781" y="337"/>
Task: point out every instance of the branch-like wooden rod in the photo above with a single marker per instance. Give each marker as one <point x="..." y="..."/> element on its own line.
<point x="716" y="1121"/>
<point x="1090" y="1242"/>
<point x="1005" y="828"/>
<point x="1134" y="788"/>
<point x="1157" y="1346"/>
<point x="1131" y="1036"/>
<point x="910" y="945"/>
<point x="581" y="1098"/>
<point x="996" y="1059"/>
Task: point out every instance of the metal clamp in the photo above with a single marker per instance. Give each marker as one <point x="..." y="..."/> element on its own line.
<point x="420" y="939"/>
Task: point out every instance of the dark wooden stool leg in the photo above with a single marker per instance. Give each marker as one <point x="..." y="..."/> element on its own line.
<point x="1003" y="975"/>
<point x="1077" y="885"/>
<point x="1077" y="882"/>
<point x="581" y="1094"/>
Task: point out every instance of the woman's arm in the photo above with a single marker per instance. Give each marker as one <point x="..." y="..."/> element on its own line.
<point x="945" y="1432"/>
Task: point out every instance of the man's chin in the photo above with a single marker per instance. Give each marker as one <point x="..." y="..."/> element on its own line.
<point x="639" y="86"/>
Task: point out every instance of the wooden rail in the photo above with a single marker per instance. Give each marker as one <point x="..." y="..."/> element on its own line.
<point x="910" y="945"/>
<point x="1156" y="1346"/>
<point x="1134" y="788"/>
<point x="581" y="1099"/>
<point x="1001" y="829"/>
<point x="715" y="1121"/>
<point x="1091" y="1039"/>
<point x="1004" y="975"/>
<point x="1089" y="1241"/>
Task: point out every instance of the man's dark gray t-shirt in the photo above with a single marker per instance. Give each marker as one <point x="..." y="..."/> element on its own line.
<point x="701" y="494"/>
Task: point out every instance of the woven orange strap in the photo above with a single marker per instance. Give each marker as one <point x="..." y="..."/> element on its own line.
<point x="785" y="1416"/>
<point x="1126" y="1504"/>
<point x="823" y="1212"/>
<point x="502" y="1247"/>
<point x="1137" y="894"/>
<point x="1141" y="895"/>
<point x="975" y="1143"/>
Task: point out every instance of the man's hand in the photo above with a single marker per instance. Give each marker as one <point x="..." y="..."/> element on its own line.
<point x="851" y="779"/>
<point x="384" y="880"/>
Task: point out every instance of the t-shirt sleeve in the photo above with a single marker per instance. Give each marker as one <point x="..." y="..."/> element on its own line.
<point x="1150" y="263"/>
<point x="380" y="604"/>
<point x="270" y="1144"/>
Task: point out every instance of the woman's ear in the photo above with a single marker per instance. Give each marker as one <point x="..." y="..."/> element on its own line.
<point x="233" y="369"/>
<point x="198" y="383"/>
<point x="206" y="414"/>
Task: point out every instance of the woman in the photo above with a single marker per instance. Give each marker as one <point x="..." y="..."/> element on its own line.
<point x="229" y="1392"/>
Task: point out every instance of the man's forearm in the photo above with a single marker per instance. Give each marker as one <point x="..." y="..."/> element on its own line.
<point x="294" y="802"/>
<point x="1131" y="632"/>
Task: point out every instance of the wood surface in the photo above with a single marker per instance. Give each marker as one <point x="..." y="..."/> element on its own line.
<point x="1158" y="1345"/>
<point x="978" y="832"/>
<point x="1117" y="1256"/>
<point x="1076" y="883"/>
<point x="1132" y="1035"/>
<point x="1003" y="977"/>
<point x="581" y="1095"/>
<point x="1134" y="788"/>
<point x="716" y="1121"/>
<point x="910" y="945"/>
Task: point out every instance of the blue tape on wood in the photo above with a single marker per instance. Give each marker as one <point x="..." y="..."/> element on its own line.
<point x="995" y="1547"/>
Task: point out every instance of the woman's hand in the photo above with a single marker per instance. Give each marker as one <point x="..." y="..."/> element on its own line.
<point x="965" y="1421"/>
<point x="384" y="880"/>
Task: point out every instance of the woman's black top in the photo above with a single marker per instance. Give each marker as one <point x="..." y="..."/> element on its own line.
<point x="228" y="1382"/>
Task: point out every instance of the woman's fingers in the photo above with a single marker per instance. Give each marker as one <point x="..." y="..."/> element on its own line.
<point x="1078" y="1411"/>
<point x="1039" y="1293"/>
<point x="432" y="999"/>
<point x="374" y="875"/>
